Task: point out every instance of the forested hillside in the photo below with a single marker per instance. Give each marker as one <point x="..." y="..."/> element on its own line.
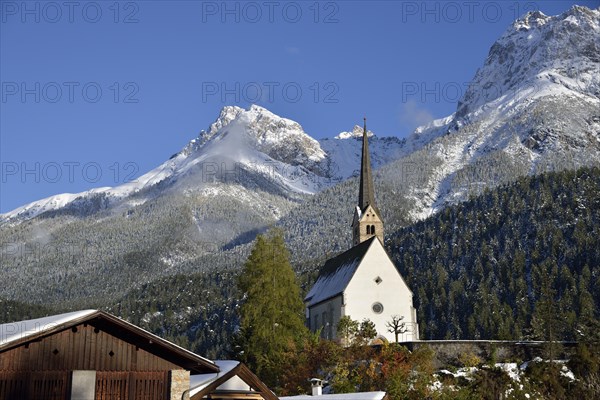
<point x="11" y="310"/>
<point x="521" y="261"/>
<point x="63" y="260"/>
<point x="196" y="311"/>
<point x="500" y="266"/>
<point x="508" y="264"/>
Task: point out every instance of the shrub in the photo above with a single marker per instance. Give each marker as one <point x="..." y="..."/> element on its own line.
<point x="469" y="359"/>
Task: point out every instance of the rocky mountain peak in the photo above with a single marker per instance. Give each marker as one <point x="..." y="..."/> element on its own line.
<point x="532" y="19"/>
<point x="538" y="52"/>
<point x="226" y="115"/>
<point x="356" y="132"/>
<point x="281" y="138"/>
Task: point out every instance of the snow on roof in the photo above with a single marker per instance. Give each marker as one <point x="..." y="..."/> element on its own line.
<point x="12" y="331"/>
<point x="337" y="273"/>
<point x="340" y="396"/>
<point x="18" y="330"/>
<point x="200" y="381"/>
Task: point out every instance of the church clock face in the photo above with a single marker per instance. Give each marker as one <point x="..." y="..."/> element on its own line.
<point x="377" y="308"/>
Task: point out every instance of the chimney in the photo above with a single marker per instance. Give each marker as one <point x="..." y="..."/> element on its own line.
<point x="317" y="386"/>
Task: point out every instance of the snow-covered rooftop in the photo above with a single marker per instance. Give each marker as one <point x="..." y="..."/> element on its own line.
<point x="340" y="396"/>
<point x="201" y="381"/>
<point x="337" y="273"/>
<point x="13" y="331"/>
<point x="21" y="330"/>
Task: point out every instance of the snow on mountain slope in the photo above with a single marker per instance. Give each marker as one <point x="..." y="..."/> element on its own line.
<point x="280" y="138"/>
<point x="254" y="142"/>
<point x="537" y="56"/>
<point x="243" y="149"/>
<point x="344" y="152"/>
<point x="251" y="169"/>
<point x="490" y="140"/>
<point x="356" y="133"/>
<point x="533" y="106"/>
<point x="35" y="208"/>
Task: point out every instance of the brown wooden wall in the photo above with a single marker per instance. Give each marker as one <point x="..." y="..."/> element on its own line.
<point x="53" y="385"/>
<point x="132" y="385"/>
<point x="110" y="385"/>
<point x="85" y="349"/>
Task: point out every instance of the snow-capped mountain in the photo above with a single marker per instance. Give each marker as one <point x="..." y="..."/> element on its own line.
<point x="242" y="150"/>
<point x="198" y="209"/>
<point x="533" y="106"/>
<point x="544" y="114"/>
<point x="539" y="56"/>
<point x="534" y="103"/>
<point x="344" y="152"/>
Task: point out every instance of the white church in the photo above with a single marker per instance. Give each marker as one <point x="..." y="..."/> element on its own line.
<point x="363" y="282"/>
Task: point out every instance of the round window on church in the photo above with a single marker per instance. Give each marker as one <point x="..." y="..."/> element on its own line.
<point x="377" y="308"/>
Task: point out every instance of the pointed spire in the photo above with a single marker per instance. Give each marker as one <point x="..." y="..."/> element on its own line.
<point x="366" y="194"/>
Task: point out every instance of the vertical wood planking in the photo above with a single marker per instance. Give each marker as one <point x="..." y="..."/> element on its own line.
<point x="84" y="350"/>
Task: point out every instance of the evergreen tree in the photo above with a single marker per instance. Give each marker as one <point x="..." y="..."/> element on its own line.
<point x="545" y="321"/>
<point x="347" y="329"/>
<point x="367" y="331"/>
<point x="271" y="316"/>
<point x="517" y="261"/>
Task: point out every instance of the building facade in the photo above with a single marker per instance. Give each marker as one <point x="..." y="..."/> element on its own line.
<point x="93" y="355"/>
<point x="363" y="282"/>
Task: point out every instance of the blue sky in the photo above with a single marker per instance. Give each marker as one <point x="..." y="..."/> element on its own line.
<point x="95" y="93"/>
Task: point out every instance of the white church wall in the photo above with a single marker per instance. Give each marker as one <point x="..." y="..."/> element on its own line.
<point x="391" y="292"/>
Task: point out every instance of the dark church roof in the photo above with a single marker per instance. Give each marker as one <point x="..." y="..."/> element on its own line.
<point x="366" y="192"/>
<point x="337" y="273"/>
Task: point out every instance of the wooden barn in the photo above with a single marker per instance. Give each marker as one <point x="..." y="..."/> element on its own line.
<point x="92" y="355"/>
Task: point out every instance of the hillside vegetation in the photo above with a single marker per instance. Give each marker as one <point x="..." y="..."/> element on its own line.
<point x="521" y="261"/>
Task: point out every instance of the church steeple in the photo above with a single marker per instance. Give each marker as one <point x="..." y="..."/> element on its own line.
<point x="366" y="194"/>
<point x="367" y="220"/>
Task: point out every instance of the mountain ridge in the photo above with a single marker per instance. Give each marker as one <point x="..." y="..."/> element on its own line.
<point x="205" y="216"/>
<point x="239" y="141"/>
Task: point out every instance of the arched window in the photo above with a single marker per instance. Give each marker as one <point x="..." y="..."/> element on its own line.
<point x="373" y="229"/>
<point x="368" y="229"/>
